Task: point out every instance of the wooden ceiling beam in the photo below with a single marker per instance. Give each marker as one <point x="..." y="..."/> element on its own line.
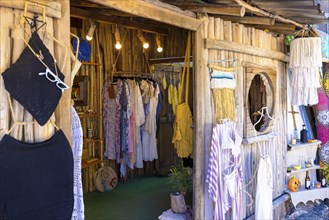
<point x="53" y="9"/>
<point x="277" y="26"/>
<point x="249" y="20"/>
<point x="218" y="10"/>
<point x="154" y="10"/>
<point x="92" y="14"/>
<point x="265" y="13"/>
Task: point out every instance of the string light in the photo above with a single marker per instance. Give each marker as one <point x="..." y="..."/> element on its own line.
<point x="159" y="49"/>
<point x="140" y="36"/>
<point x="91" y="31"/>
<point x="118" y="45"/>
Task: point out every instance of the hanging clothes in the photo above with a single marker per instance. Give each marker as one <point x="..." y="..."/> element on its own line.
<point x="183" y="133"/>
<point x="139" y="120"/>
<point x="77" y="146"/>
<point x="225" y="175"/>
<point x="149" y="141"/>
<point x="130" y="122"/>
<point x="36" y="178"/>
<point x="264" y="190"/>
<point x="109" y="116"/>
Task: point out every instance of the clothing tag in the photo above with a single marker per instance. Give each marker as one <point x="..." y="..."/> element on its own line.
<point x="111" y="91"/>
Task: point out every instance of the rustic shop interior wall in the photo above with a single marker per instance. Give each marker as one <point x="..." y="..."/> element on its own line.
<point x="132" y="59"/>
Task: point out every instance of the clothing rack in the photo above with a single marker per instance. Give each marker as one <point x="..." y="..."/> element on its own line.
<point x="134" y="75"/>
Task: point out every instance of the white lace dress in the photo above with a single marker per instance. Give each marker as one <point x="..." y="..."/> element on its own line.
<point x="77" y="145"/>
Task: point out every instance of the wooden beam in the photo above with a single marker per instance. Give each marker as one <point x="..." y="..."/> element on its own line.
<point x="218" y="10"/>
<point x="247" y="49"/>
<point x="62" y="32"/>
<point x="202" y="121"/>
<point x="147" y="9"/>
<point x="167" y="60"/>
<point x="81" y="13"/>
<point x="286" y="27"/>
<point x="249" y="20"/>
<point x="53" y="9"/>
<point x="267" y="14"/>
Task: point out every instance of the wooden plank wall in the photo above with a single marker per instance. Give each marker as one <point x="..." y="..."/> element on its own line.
<point x="11" y="47"/>
<point x="226" y="30"/>
<point x="132" y="58"/>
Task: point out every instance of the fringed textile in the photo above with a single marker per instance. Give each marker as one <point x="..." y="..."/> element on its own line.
<point x="305" y="64"/>
<point x="224" y="101"/>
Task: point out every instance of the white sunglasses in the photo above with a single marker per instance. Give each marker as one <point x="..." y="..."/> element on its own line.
<point x="53" y="78"/>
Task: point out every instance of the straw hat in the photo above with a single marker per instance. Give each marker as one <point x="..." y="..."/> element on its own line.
<point x="105" y="179"/>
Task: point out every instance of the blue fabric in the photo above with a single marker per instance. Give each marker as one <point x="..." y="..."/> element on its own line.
<point x="84" y="49"/>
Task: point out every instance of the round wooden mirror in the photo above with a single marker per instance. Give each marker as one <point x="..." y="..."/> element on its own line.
<point x="260" y="95"/>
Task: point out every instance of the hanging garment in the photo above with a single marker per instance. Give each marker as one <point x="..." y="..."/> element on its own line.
<point x="305" y="64"/>
<point x="225" y="177"/>
<point x="183" y="133"/>
<point x="28" y="80"/>
<point x="77" y="146"/>
<point x="264" y="190"/>
<point x="131" y="126"/>
<point x="149" y="141"/>
<point x="117" y="122"/>
<point x="109" y="117"/>
<point x="322" y="124"/>
<point x="36" y="179"/>
<point x="140" y="120"/>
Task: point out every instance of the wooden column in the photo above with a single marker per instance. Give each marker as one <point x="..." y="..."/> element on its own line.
<point x="202" y="117"/>
<point x="62" y="32"/>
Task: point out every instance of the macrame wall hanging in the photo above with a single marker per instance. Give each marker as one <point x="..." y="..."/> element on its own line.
<point x="223" y="83"/>
<point x="305" y="65"/>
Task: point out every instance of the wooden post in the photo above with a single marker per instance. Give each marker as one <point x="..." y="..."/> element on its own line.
<point x="62" y="32"/>
<point x="201" y="115"/>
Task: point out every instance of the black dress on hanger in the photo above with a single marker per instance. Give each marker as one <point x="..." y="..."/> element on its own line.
<point x="36" y="179"/>
<point x="37" y="94"/>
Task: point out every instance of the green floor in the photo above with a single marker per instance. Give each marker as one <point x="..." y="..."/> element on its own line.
<point x="139" y="198"/>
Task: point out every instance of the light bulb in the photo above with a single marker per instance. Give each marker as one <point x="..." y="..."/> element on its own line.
<point x="91" y="31"/>
<point x="159" y="49"/>
<point x="118" y="45"/>
<point x="146" y="45"/>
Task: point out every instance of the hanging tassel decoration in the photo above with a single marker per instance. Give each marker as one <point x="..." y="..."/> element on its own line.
<point x="305" y="65"/>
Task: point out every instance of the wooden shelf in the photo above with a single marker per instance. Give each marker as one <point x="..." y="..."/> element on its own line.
<point x="86" y="140"/>
<point x="315" y="167"/>
<point x="90" y="162"/>
<point x="301" y="145"/>
<point x="91" y="63"/>
<point x="304" y="195"/>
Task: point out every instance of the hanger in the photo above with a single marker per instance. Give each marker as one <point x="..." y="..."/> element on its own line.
<point x="76" y="63"/>
<point x="22" y="123"/>
<point x="33" y="26"/>
<point x="261" y="112"/>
